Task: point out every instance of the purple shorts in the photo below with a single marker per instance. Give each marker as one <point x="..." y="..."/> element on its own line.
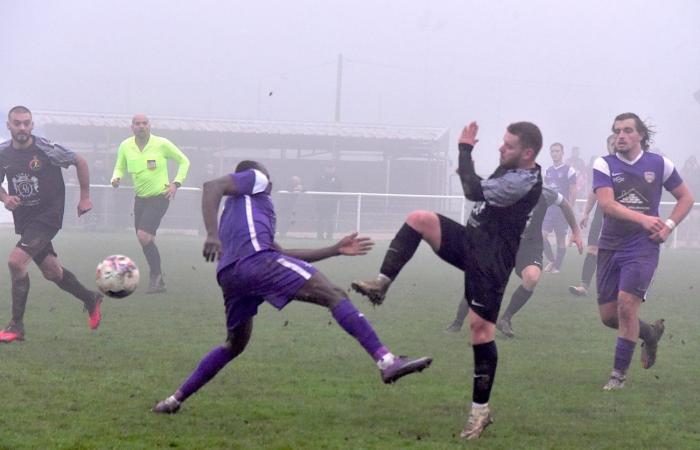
<point x="264" y="276"/>
<point x="555" y="221"/>
<point x="631" y="271"/>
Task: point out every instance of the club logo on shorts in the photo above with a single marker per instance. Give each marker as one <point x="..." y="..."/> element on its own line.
<point x="35" y="164"/>
<point x="151" y="164"/>
<point x="649" y="177"/>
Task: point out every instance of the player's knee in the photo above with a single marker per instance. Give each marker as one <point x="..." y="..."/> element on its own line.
<point x="422" y="221"/>
<point x="143" y="237"/>
<point x="610" y="322"/>
<point x="16" y="265"/>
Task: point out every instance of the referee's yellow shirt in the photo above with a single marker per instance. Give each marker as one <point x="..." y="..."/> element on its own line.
<point x="149" y="167"/>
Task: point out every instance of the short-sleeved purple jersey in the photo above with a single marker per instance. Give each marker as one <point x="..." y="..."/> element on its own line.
<point x="247" y="224"/>
<point x="560" y="179"/>
<point x="636" y="185"/>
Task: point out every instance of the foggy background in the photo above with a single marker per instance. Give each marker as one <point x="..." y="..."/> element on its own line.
<point x="568" y="66"/>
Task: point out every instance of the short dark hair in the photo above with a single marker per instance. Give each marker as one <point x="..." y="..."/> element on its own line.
<point x="647" y="131"/>
<point x="528" y="133"/>
<point x="18" y="109"/>
<point x="248" y="164"/>
<point x="558" y="144"/>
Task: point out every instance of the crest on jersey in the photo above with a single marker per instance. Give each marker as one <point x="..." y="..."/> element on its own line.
<point x="649" y="177"/>
<point x="35" y="164"/>
<point x="151" y="164"/>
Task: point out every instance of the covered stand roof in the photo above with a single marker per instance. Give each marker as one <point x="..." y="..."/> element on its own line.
<point x="396" y="141"/>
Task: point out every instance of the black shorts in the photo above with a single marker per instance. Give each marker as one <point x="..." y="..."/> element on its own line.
<point x="596" y="226"/>
<point x="486" y="272"/>
<point x="529" y="254"/>
<point x="148" y="212"/>
<point x="36" y="241"/>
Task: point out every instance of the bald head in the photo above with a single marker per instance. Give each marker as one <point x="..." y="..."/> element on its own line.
<point x="141" y="127"/>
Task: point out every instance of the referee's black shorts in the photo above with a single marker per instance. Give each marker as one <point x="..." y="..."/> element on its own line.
<point x="148" y="212"/>
<point x="486" y="267"/>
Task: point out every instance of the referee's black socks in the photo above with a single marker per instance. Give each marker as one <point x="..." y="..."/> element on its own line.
<point x="401" y="249"/>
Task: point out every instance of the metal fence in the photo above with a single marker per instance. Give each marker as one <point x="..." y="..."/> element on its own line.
<point x="301" y="214"/>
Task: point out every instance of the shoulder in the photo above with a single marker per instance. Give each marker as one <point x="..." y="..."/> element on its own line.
<point x="602" y="163"/>
<point x="5" y="145"/>
<point x="161" y="141"/>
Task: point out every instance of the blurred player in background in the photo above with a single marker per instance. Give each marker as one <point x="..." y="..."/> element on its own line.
<point x="36" y="195"/>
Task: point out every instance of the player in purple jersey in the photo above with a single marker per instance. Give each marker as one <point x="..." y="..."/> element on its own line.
<point x="484" y="249"/>
<point x="253" y="269"/>
<point x="589" y="262"/>
<point x="36" y="196"/>
<point x="561" y="178"/>
<point x="628" y="187"/>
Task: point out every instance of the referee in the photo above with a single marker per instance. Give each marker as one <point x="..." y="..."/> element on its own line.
<point x="145" y="157"/>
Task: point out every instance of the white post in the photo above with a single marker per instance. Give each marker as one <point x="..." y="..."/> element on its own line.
<point x="359" y="208"/>
<point x="464" y="209"/>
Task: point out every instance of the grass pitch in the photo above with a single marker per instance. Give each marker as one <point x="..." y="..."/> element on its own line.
<point x="304" y="384"/>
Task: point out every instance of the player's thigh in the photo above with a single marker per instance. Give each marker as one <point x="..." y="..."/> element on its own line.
<point x="607" y="276"/>
<point x="34" y="243"/>
<point x="453" y="242"/>
<point x="637" y="271"/>
<point x="529" y="255"/>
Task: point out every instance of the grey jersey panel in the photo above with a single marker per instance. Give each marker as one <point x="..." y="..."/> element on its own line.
<point x="506" y="190"/>
<point x="59" y="155"/>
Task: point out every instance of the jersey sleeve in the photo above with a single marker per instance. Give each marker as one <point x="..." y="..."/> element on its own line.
<point x="183" y="162"/>
<point x="571" y="175"/>
<point x="506" y="190"/>
<point x="58" y="154"/>
<point x="250" y="182"/>
<point x="601" y="174"/>
<point x="672" y="178"/>
<point x="551" y="197"/>
<point x="120" y="164"/>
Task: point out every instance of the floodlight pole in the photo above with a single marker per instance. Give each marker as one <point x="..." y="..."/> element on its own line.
<point x="338" y="87"/>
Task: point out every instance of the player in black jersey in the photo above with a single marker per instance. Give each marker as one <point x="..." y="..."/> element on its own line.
<point x="36" y="197"/>
<point x="528" y="262"/>
<point x="484" y="249"/>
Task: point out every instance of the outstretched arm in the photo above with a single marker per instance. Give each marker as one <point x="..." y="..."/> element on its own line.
<point x="570" y="217"/>
<point x="83" y="172"/>
<point x="350" y="245"/>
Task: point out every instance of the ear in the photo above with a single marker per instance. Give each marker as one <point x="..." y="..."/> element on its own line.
<point x="529" y="154"/>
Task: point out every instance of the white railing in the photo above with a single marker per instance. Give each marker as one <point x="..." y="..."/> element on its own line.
<point x="297" y="212"/>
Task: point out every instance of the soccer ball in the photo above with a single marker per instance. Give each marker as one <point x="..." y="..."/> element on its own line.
<point x="117" y="276"/>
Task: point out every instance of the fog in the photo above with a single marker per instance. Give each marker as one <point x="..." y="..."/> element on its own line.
<point x="568" y="66"/>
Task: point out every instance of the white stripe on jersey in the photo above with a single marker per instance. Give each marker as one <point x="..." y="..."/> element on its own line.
<point x="251" y="223"/>
<point x="601" y="165"/>
<point x="295" y="267"/>
<point x="261" y="182"/>
<point x="668" y="169"/>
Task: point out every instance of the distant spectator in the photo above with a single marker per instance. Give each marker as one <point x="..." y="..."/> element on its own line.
<point x="327" y="205"/>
